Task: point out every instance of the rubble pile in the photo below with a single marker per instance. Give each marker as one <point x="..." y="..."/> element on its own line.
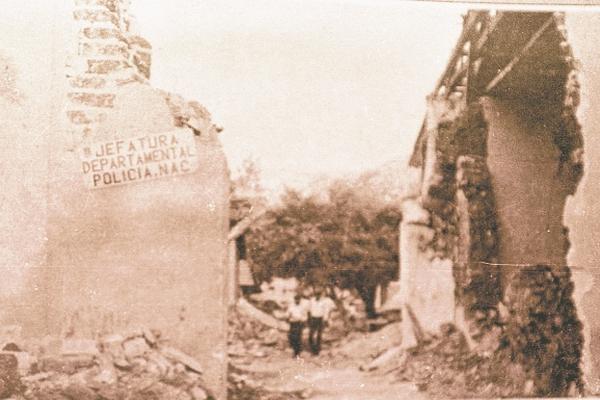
<point x="364" y="347"/>
<point x="137" y="365"/>
<point x="348" y="314"/>
<point x="249" y="338"/>
<point x="444" y="366"/>
<point x="544" y="334"/>
<point x="242" y="387"/>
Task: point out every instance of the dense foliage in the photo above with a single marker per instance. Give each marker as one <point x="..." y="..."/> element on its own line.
<point x="338" y="239"/>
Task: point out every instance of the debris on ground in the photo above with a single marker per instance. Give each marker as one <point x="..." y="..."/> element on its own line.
<point x="443" y="366"/>
<point x="366" y="346"/>
<point x="241" y="386"/>
<point x="390" y="359"/>
<point x="137" y="365"/>
<point x="250" y="338"/>
<point x="275" y="297"/>
<point x="250" y="311"/>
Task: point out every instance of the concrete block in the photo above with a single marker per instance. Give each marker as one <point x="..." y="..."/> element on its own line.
<point x="72" y="347"/>
<point x="182" y="358"/>
<point x="426" y="284"/>
<point x="134" y="348"/>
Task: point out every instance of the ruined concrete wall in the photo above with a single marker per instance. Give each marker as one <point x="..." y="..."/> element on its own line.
<point x="542" y="331"/>
<point x="582" y="215"/>
<point x="505" y="235"/>
<point x="497" y="173"/>
<point x="524" y="163"/>
<point x="426" y="282"/>
<point x="149" y="253"/>
<point x="427" y="292"/>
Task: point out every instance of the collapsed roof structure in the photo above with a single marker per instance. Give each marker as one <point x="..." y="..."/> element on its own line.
<point x="483" y="241"/>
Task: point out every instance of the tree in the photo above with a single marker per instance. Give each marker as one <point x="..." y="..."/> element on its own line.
<point x="341" y="240"/>
<point x="247" y="192"/>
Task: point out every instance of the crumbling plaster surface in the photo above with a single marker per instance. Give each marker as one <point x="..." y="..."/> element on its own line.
<point x="523" y="163"/>
<point x="150" y="253"/>
<point x="515" y="167"/>
<point x="27" y="116"/>
<point x="78" y="261"/>
<point x="426" y="282"/>
<point x="582" y="214"/>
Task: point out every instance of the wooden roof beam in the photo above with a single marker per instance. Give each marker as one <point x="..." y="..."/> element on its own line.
<point x="488" y="30"/>
<point x="473" y="18"/>
<point x="515" y="60"/>
<point x="459" y="73"/>
<point x="245" y="223"/>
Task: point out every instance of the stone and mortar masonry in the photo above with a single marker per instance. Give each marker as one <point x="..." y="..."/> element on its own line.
<point x="146" y="253"/>
<point x="521" y="315"/>
<point x="513" y="290"/>
<point x="108" y="55"/>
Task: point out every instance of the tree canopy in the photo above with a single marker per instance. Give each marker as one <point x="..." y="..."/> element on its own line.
<point x="344" y="234"/>
<point x="338" y="239"/>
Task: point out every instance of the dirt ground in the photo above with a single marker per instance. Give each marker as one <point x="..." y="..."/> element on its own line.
<point x="325" y="378"/>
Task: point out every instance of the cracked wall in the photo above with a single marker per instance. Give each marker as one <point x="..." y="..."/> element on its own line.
<point x="497" y="173"/>
<point x="89" y="262"/>
<point x="582" y="214"/>
<point x="542" y="329"/>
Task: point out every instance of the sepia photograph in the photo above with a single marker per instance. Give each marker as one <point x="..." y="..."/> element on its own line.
<point x="299" y="199"/>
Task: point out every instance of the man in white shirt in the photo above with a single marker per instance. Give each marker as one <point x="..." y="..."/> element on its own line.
<point x="297" y="316"/>
<point x="318" y="316"/>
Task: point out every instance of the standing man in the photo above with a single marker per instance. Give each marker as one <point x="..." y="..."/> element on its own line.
<point x="318" y="316"/>
<point x="297" y="316"/>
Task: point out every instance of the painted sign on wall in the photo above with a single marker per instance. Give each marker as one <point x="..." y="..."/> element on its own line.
<point x="131" y="160"/>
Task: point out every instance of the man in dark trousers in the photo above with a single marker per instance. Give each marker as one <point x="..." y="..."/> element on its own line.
<point x="318" y="315"/>
<point x="297" y="315"/>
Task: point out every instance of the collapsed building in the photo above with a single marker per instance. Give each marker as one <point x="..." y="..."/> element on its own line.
<point x="499" y="237"/>
<point x="115" y="194"/>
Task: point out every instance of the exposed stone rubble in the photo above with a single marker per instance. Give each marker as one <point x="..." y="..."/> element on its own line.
<point x="568" y="137"/>
<point x="534" y="350"/>
<point x="461" y="204"/>
<point x="243" y="387"/>
<point x="516" y="318"/>
<point x="484" y="290"/>
<point x="542" y="333"/>
<point x="110" y="54"/>
<point x="444" y="367"/>
<point x="248" y="340"/>
<point x="135" y="365"/>
<point x="191" y="114"/>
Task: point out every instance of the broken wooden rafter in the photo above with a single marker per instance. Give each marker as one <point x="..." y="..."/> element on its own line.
<point x="506" y="70"/>
<point x="470" y="24"/>
<point x="488" y="30"/>
<point x="459" y="73"/>
<point x="245" y="223"/>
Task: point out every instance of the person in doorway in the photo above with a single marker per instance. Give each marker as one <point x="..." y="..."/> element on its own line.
<point x="318" y="316"/>
<point x="297" y="316"/>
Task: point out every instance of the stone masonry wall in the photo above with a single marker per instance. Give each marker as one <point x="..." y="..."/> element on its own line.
<point x="108" y="55"/>
<point x="582" y="214"/>
<point x="94" y="261"/>
<point x="496" y="179"/>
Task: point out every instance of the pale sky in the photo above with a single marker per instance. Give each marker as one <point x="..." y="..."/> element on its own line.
<point x="308" y="88"/>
